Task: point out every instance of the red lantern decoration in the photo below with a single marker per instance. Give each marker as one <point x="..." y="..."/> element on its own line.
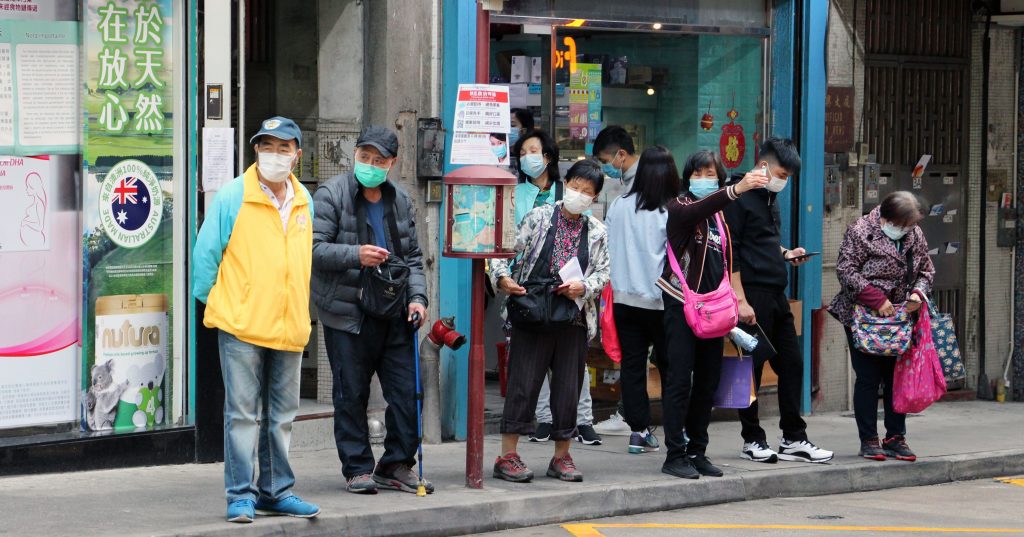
<point x="732" y="144"/>
<point x="707" y="120"/>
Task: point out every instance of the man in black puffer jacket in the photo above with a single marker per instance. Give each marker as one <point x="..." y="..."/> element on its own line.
<point x="362" y="220"/>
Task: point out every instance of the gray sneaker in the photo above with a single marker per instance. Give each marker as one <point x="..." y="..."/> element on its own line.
<point x="362" y="484"/>
<point x="399" y="477"/>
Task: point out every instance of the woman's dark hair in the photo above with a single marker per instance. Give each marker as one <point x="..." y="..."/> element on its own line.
<point x="588" y="170"/>
<point x="499" y="136"/>
<point x="547" y="146"/>
<point x="524" y="117"/>
<point x="901" y="208"/>
<point x="657" y="179"/>
<point x="700" y="160"/>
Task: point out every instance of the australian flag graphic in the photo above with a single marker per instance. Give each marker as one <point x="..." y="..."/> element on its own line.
<point x="130" y="203"/>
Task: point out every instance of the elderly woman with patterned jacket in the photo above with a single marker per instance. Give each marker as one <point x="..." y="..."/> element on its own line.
<point x="883" y="265"/>
<point x="549" y="238"/>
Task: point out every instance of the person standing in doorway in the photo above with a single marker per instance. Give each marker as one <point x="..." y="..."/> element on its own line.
<point x="252" y="262"/>
<point x="760" y="277"/>
<point x="366" y="224"/>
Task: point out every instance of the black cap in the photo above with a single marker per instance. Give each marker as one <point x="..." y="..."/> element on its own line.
<point x="383" y="138"/>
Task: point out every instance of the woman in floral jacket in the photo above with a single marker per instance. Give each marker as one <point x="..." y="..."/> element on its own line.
<point x="883" y="265"/>
<point x="549" y="237"/>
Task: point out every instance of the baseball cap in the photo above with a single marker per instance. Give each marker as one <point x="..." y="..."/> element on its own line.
<point x="279" y="127"/>
<point x="380" y="137"/>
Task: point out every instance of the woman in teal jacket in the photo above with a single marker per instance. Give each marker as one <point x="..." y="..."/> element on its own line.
<point x="539" y="180"/>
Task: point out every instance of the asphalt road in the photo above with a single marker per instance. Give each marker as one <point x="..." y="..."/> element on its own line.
<point x="984" y="507"/>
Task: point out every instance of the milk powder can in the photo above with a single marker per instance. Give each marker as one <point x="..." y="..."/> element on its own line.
<point x="127" y="381"/>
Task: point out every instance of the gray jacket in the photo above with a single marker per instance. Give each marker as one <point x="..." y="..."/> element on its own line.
<point x="336" y="242"/>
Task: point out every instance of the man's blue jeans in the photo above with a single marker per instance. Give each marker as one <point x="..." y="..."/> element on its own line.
<point x="258" y="382"/>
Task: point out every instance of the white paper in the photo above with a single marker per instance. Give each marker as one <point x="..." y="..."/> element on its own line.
<point x="518" y="95"/>
<point x="921" y="166"/>
<point x="572" y="272"/>
<point x="26" y="204"/>
<point x="933" y="251"/>
<point x="218" y="157"/>
<point x="6" y="97"/>
<point x="48" y="90"/>
<point x="478" y="148"/>
<point x="482" y="108"/>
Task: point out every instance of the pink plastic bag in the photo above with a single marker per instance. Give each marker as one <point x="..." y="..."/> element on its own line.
<point x="609" y="334"/>
<point x="918" y="381"/>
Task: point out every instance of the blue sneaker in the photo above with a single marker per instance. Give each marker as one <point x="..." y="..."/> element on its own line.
<point x="290" y="506"/>
<point x="241" y="511"/>
<point x="643" y="442"/>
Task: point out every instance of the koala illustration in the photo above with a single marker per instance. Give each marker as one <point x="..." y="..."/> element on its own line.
<point x="101" y="400"/>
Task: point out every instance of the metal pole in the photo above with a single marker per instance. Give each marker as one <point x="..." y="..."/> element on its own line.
<point x="475" y="411"/>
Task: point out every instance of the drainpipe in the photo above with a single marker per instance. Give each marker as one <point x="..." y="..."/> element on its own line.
<point x="430" y="363"/>
<point x="984" y="388"/>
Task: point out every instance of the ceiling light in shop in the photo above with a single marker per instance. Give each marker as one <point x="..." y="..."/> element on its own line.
<point x="650" y="91"/>
<point x="657" y="26"/>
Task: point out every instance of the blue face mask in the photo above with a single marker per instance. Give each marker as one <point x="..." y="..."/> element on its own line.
<point x="513" y="137"/>
<point x="499" y="151"/>
<point x="703" y="187"/>
<point x="532" y="165"/>
<point x="611" y="171"/>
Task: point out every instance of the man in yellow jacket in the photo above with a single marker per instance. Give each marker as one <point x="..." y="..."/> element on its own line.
<point x="251" y="266"/>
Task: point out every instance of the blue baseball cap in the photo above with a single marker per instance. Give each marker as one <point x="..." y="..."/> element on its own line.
<point x="279" y="127"/>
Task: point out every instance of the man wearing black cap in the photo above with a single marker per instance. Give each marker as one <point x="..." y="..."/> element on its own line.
<point x="251" y="267"/>
<point x="365" y="228"/>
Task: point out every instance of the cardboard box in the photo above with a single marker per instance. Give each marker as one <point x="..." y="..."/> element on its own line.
<point x="536" y="70"/>
<point x="640" y="74"/>
<point x="606" y="385"/>
<point x="520" y="70"/>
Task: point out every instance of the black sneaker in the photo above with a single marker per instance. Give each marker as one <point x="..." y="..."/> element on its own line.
<point x="587" y="435"/>
<point x="542" y="434"/>
<point x="872" y="449"/>
<point x="681" y="467"/>
<point x="897" y="448"/>
<point x="704" y="466"/>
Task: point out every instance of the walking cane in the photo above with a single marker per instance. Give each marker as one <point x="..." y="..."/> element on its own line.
<point x="421" y="489"/>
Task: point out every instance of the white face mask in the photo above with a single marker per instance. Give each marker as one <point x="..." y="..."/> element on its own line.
<point x="776" y="184"/>
<point x="576" y="202"/>
<point x="274" y="167"/>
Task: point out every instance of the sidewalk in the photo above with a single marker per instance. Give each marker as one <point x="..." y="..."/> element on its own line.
<point x="954" y="441"/>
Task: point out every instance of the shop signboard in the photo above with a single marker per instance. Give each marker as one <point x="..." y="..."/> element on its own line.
<point x="481" y="125"/>
<point x="128" y="212"/>
<point x="838" y="119"/>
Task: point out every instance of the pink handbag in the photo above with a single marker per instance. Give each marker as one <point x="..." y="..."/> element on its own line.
<point x="918" y="380"/>
<point x="713" y="314"/>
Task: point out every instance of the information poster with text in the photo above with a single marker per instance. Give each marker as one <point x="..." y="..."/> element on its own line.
<point x="481" y="125"/>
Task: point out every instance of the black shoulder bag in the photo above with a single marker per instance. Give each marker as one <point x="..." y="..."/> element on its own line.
<point x="384" y="289"/>
<point x="541" y="309"/>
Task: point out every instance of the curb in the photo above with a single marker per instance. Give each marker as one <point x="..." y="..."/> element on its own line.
<point x="552" y="507"/>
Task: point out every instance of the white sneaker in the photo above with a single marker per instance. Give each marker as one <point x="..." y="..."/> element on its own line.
<point x="803" y="451"/>
<point x="614" y="426"/>
<point x="759" y="452"/>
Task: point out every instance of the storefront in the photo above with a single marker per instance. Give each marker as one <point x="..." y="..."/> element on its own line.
<point x="95" y="123"/>
<point x="686" y="75"/>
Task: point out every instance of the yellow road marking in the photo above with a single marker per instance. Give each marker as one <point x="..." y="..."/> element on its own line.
<point x="591" y="530"/>
<point x="1019" y="481"/>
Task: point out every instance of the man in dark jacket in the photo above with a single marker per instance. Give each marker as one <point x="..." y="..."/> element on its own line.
<point x="362" y="221"/>
<point x="760" y="278"/>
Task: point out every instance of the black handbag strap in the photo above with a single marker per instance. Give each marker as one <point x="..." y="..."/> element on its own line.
<point x="547" y="251"/>
<point x="909" y="253"/>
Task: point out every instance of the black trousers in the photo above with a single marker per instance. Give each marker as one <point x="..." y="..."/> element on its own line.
<point x="639" y="329"/>
<point x="873" y="371"/>
<point x="384" y="348"/>
<point x="775" y="318"/>
<point x="694" y="368"/>
<point x="530" y="356"/>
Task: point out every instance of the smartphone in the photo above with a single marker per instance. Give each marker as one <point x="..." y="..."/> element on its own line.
<point x="805" y="256"/>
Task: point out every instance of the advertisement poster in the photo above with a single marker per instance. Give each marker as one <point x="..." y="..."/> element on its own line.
<point x="585" y="103"/>
<point x="39" y="308"/>
<point x="39" y="87"/>
<point x="482" y="122"/>
<point x="127" y="214"/>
